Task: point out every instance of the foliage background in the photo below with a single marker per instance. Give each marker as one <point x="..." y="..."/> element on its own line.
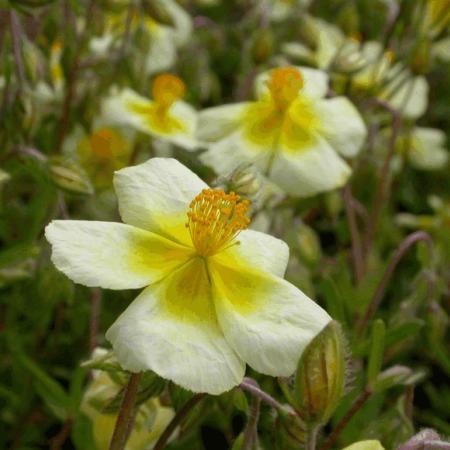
<point x="49" y="325"/>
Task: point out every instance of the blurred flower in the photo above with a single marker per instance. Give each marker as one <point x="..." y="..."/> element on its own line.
<point x="164" y="23"/>
<point x="391" y="82"/>
<point x="101" y="152"/>
<point x="48" y="92"/>
<point x="151" y="417"/>
<point x="365" y="445"/>
<point x="166" y="116"/>
<point x="325" y="47"/>
<point x="282" y="9"/>
<point x="211" y="303"/>
<point x="424" y="148"/>
<point x="291" y="132"/>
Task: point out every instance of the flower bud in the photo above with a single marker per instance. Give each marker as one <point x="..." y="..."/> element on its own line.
<point x="262" y="46"/>
<point x="319" y="381"/>
<point x="68" y="176"/>
<point x="309" y="245"/>
<point x="244" y="180"/>
<point x="396" y="376"/>
<point x="365" y="445"/>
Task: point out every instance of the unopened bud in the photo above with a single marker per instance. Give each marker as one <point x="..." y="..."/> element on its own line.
<point x="244" y="180"/>
<point x="365" y="445"/>
<point x="320" y="377"/>
<point x="68" y="176"/>
<point x="158" y="12"/>
<point x="396" y="376"/>
<point x="262" y="47"/>
<point x="309" y="245"/>
<point x="422" y="58"/>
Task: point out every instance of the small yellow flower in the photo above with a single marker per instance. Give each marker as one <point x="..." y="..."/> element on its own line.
<point x="166" y="116"/>
<point x="214" y="296"/>
<point x="291" y="132"/>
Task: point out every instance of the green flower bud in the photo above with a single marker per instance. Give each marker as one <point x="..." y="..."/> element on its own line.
<point x="68" y="176"/>
<point x="262" y="46"/>
<point x="396" y="376"/>
<point x="309" y="245"/>
<point x="320" y="377"/>
<point x="245" y="181"/>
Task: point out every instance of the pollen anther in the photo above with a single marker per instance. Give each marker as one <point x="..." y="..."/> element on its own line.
<point x="284" y="85"/>
<point x="215" y="218"/>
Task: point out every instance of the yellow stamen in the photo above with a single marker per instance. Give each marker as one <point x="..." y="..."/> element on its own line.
<point x="284" y="85"/>
<point x="166" y="89"/>
<point x="102" y="142"/>
<point x="215" y="219"/>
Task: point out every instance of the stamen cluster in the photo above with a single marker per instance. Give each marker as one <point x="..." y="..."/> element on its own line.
<point x="215" y="218"/>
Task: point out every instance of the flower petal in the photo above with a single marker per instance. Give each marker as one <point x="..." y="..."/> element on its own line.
<point x="309" y="171"/>
<point x="258" y="250"/>
<point x="112" y="255"/>
<point x="217" y="122"/>
<point x="172" y="329"/>
<point x="341" y="125"/>
<point x="427" y="151"/>
<point x="411" y="97"/>
<point x="162" y="51"/>
<point x="155" y="196"/>
<point x="267" y="320"/>
<point x="177" y="125"/>
<point x="227" y="154"/>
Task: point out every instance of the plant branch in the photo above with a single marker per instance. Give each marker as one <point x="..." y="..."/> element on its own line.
<point x="251" y="429"/>
<point x="357" y="405"/>
<point x="179" y="416"/>
<point x="401" y="250"/>
<point x="96" y="301"/>
<point x="16" y="33"/>
<point x="384" y="177"/>
<point x="356" y="249"/>
<point x="250" y="385"/>
<point x="123" y="425"/>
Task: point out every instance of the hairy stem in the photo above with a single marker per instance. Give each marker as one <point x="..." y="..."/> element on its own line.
<point x="179" y="416"/>
<point x="401" y="250"/>
<point x="363" y="397"/>
<point x="357" y="256"/>
<point x="126" y="414"/>
<point x="251" y="429"/>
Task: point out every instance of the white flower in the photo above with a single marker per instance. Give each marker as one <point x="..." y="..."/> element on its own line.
<point x="292" y="133"/>
<point x="165" y="117"/>
<point x="211" y="303"/>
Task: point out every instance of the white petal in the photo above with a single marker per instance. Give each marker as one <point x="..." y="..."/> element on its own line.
<point x="182" y="22"/>
<point x="218" y="122"/>
<point x="267" y="320"/>
<point x="129" y="108"/>
<point x="112" y="255"/>
<point x="234" y="150"/>
<point x="309" y="171"/>
<point x="171" y="328"/>
<point x="155" y="196"/>
<point x="341" y="125"/>
<point x="162" y="52"/>
<point x="258" y="250"/>
<point x="315" y="83"/>
<point x="427" y="151"/>
<point x="365" y="445"/>
<point x="411" y="97"/>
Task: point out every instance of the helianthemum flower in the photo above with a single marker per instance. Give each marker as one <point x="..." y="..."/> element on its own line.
<point x="164" y="25"/>
<point x="214" y="296"/>
<point x="291" y="132"/>
<point x="165" y="117"/>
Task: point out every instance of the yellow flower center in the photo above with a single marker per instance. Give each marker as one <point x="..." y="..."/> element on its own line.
<point x="215" y="219"/>
<point x="284" y="85"/>
<point x="167" y="89"/>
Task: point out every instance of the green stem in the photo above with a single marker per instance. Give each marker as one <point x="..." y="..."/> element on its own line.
<point x="311" y="438"/>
